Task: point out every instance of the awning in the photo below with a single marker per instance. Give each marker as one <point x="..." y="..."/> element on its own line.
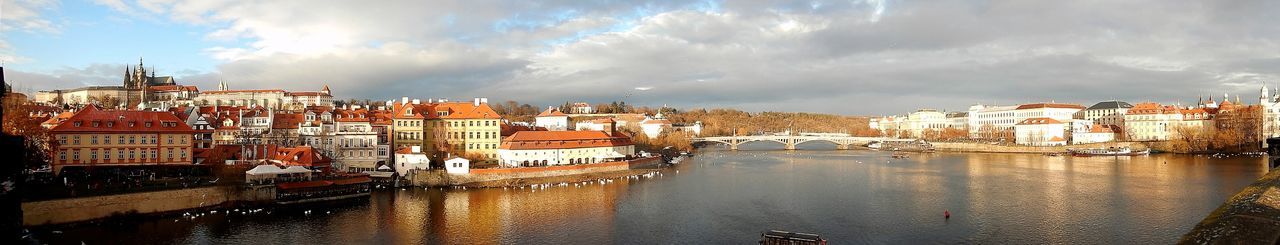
<point x="296" y="170"/>
<point x="266" y="169"/>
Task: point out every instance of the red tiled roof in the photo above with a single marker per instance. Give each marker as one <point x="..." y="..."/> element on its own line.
<point x="287" y="120"/>
<point x="306" y="94"/>
<point x="300" y="156"/>
<point x="1050" y="105"/>
<point x="1097" y="128"/>
<point x="1056" y="138"/>
<point x="462" y="110"/>
<point x="122" y="121"/>
<point x="534" y="140"/>
<point x="1039" y="120"/>
<point x="551" y="112"/>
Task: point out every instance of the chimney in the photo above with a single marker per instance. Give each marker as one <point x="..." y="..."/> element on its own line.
<point x="416" y="149"/>
<point x="476" y="101"/>
<point x="431" y="100"/>
<point x="484" y="100"/>
<point x="416" y="101"/>
<point x="404" y="100"/>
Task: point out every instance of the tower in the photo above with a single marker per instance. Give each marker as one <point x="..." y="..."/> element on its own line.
<point x="222" y="85"/>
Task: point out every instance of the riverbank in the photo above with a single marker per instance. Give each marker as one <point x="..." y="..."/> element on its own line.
<point x="990" y="148"/>
<point x="88" y="209"/>
<point x="500" y="177"/>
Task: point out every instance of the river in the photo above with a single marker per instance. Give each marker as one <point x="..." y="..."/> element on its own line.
<point x="730" y="197"/>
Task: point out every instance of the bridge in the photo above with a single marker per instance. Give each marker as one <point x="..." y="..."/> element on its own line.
<point x="790" y="141"/>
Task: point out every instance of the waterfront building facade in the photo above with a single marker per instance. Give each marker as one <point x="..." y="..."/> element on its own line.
<point x="1151" y="122"/>
<point x="94" y="137"/>
<point x="1041" y="131"/>
<point x="1106" y="113"/>
<point x="549" y="148"/>
<point x="470" y="130"/>
<point x="925" y="120"/>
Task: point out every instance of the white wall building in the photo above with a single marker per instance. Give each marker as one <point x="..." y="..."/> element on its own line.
<point x="549" y="148"/>
<point x="411" y="158"/>
<point x="1005" y="117"/>
<point x="925" y="120"/>
<point x="552" y="119"/>
<point x="1041" y="131"/>
<point x="457" y="165"/>
<point x="1096" y="134"/>
<point x="1106" y="113"/>
<point x="355" y="144"/>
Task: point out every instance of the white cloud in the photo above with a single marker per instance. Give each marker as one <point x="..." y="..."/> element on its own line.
<point x="760" y="55"/>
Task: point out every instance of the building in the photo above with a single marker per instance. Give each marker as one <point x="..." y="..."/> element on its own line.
<point x="958" y="120"/>
<point x="355" y="142"/>
<point x="1097" y="133"/>
<point x="457" y="165"/>
<point x="274" y="99"/>
<point x="653" y="127"/>
<point x="408" y="123"/>
<point x="581" y="108"/>
<point x="94" y="137"/>
<point x="989" y="122"/>
<point x="1040" y="131"/>
<point x="411" y="158"/>
<point x="548" y="148"/>
<point x="303" y="156"/>
<point x="1151" y="122"/>
<point x="1106" y="113"/>
<point x="470" y="130"/>
<point x="1270" y="102"/>
<point x="137" y="88"/>
<point x="552" y="119"/>
<point x="924" y="121"/>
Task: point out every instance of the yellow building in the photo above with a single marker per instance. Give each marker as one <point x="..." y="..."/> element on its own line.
<point x="470" y="130"/>
<point x="94" y="137"/>
<point x="407" y="124"/>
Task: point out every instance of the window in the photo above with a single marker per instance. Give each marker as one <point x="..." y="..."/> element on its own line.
<point x="75" y="139"/>
<point x="131" y="141"/>
<point x="121" y="154"/>
<point x="75" y="155"/>
<point x="62" y="139"/>
<point x="153" y="153"/>
<point x="131" y="154"/>
<point x="62" y="155"/>
<point x="93" y="154"/>
<point x="170" y="137"/>
<point x="93" y="140"/>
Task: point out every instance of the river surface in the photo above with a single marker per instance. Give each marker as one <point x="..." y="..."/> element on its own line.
<point x="730" y="197"/>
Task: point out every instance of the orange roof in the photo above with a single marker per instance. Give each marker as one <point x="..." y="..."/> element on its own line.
<point x="1056" y="138"/>
<point x="1097" y="128"/>
<point x="536" y="140"/>
<point x="462" y="110"/>
<point x="1050" y="105"/>
<point x="287" y="120"/>
<point x="551" y="112"/>
<point x="91" y="119"/>
<point x="307" y="94"/>
<point x="300" y="156"/>
<point x="401" y="111"/>
<point x="1039" y="120"/>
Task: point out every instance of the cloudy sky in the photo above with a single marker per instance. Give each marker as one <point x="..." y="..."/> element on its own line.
<point x="850" y="57"/>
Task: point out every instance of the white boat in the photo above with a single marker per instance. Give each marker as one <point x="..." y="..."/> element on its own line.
<point x="1111" y="151"/>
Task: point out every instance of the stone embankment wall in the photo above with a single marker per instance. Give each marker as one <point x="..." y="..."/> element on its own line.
<point x="440" y="178"/>
<point x="73" y="210"/>
<point x="1250" y="217"/>
<point x="983" y="147"/>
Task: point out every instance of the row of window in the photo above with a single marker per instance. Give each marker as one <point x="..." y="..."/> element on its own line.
<point x="133" y="154"/>
<point x="121" y="139"/>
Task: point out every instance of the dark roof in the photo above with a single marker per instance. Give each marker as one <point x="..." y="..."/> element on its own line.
<point x="1114" y="104"/>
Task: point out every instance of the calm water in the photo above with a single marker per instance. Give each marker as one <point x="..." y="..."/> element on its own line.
<point x="725" y="197"/>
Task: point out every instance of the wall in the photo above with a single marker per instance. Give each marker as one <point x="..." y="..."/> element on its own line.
<point x="90" y="208"/>
<point x="439" y="178"/>
<point x="983" y="147"/>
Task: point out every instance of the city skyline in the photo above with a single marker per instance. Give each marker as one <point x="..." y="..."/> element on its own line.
<point x="757" y="56"/>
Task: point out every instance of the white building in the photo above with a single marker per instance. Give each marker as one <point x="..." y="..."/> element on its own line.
<point x="1041" y="131"/>
<point x="653" y="127"/>
<point x="270" y="98"/>
<point x="925" y="120"/>
<point x="1001" y="118"/>
<point x="958" y="120"/>
<point x="355" y="142"/>
<point x="552" y="119"/>
<point x="1106" y="113"/>
<point x="411" y="158"/>
<point x="1096" y="134"/>
<point x="457" y="165"/>
<point x="1270" y="113"/>
<point x="548" y="148"/>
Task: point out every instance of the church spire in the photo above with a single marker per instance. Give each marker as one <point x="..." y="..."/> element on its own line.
<point x="222" y="85"/>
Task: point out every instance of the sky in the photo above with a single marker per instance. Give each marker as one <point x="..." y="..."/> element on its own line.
<point x="858" y="57"/>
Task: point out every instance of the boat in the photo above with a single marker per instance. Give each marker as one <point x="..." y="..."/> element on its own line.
<point x="1110" y="151"/>
<point x="900" y="156"/>
<point x="1053" y="154"/>
<point x="776" y="237"/>
<point x="875" y="145"/>
<point x="332" y="188"/>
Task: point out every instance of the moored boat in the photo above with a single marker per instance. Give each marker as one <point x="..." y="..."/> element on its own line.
<point x="1110" y="151"/>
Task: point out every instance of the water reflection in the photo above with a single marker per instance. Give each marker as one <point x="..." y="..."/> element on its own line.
<point x="729" y="197"/>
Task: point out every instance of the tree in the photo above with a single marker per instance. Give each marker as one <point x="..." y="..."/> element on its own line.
<point x="37" y="140"/>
